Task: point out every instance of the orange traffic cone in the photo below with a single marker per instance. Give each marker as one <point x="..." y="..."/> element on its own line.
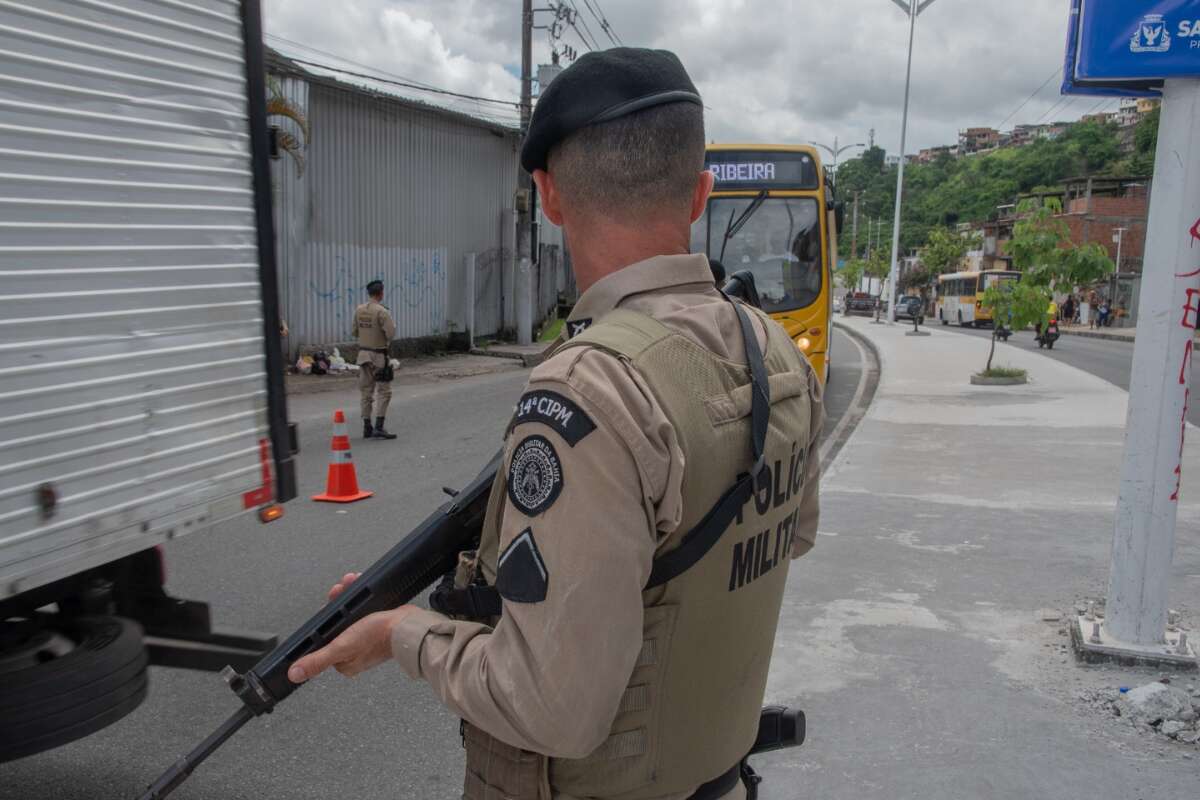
<point x="341" y="484"/>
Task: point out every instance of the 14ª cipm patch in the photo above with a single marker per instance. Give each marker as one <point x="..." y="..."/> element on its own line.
<point x="535" y="476"/>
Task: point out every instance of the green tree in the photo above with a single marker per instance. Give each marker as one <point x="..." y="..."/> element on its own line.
<point x="949" y="191"/>
<point x="1042" y="250"/>
<point x="944" y="249"/>
<point x="1015" y="304"/>
<point x="852" y="273"/>
<point x="1092" y="145"/>
<point x="1145" y="144"/>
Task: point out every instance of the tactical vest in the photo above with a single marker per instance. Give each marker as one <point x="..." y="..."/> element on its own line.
<point x="691" y="709"/>
<point x="371" y="335"/>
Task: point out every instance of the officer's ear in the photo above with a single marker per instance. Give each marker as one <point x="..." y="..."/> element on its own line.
<point x="704" y="187"/>
<point x="549" y="197"/>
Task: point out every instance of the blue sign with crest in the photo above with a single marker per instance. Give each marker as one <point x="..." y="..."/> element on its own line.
<point x="1129" y="48"/>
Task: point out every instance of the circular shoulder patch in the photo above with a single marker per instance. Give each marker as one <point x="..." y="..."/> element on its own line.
<point x="534" y="476"/>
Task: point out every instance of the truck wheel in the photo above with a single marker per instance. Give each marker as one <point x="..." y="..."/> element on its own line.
<point x="61" y="680"/>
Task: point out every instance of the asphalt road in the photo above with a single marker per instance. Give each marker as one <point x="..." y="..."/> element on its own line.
<point x="378" y="736"/>
<point x="1104" y="358"/>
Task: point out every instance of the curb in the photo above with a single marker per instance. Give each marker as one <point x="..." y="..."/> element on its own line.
<point x="295" y="388"/>
<point x="865" y="396"/>
<point x="1112" y="337"/>
<point x="861" y="339"/>
<point x="526" y="359"/>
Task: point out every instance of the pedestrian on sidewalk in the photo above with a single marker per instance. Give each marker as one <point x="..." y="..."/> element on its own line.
<point x="1103" y="314"/>
<point x="373" y="330"/>
<point x="576" y="644"/>
<point x="1068" y="309"/>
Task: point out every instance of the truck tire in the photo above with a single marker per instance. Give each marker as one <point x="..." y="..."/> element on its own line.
<point x="61" y="680"/>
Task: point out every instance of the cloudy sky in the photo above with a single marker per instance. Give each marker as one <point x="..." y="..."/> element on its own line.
<point x="769" y="70"/>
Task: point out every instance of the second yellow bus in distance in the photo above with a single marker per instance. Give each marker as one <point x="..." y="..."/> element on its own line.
<point x="772" y="212"/>
<point x="960" y="296"/>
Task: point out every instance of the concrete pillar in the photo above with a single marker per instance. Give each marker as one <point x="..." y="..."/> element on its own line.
<point x="469" y="316"/>
<point x="524" y="287"/>
<point x="508" y="269"/>
<point x="1144" y="531"/>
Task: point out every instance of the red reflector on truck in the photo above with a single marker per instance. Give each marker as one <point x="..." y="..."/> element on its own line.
<point x="263" y="494"/>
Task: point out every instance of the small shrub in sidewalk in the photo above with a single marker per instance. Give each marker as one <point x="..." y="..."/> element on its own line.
<point x="1003" y="372"/>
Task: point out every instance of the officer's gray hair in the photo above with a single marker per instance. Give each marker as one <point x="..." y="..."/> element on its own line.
<point x="638" y="164"/>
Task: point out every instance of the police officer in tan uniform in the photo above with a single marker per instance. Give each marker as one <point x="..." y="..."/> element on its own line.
<point x="611" y="637"/>
<point x="374" y="329"/>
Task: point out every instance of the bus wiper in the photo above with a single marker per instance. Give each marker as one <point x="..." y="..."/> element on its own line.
<point x="734" y="226"/>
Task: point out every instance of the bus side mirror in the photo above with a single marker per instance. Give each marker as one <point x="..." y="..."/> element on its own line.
<point x="839" y="214"/>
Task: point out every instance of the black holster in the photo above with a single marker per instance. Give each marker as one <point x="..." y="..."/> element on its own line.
<point x="779" y="727"/>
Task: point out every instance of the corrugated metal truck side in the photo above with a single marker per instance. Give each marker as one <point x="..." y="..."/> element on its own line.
<point x="141" y="377"/>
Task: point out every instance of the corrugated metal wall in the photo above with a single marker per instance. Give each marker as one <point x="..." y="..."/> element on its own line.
<point x="132" y="373"/>
<point x="392" y="192"/>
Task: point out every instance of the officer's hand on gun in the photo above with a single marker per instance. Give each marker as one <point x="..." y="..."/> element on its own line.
<point x="364" y="645"/>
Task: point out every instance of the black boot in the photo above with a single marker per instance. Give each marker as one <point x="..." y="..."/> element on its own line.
<point x="380" y="433"/>
<point x="368" y="429"/>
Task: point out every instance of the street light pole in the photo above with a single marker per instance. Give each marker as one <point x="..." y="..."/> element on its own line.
<point x="913" y="9"/>
<point x="836" y="152"/>
<point x="1118" y="237"/>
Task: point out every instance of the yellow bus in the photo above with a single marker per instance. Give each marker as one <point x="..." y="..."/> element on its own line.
<point x="772" y="211"/>
<point x="960" y="296"/>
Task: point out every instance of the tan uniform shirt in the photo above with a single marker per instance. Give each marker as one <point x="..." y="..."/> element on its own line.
<point x="551" y="674"/>
<point x="375" y="329"/>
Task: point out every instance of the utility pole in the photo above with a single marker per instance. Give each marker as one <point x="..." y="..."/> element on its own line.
<point x="1135" y="620"/>
<point x="525" y="198"/>
<point x="913" y="9"/>
<point x="1118" y="237"/>
<point x="854" y="229"/>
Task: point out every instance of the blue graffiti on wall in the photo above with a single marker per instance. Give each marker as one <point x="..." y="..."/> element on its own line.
<point x="418" y="282"/>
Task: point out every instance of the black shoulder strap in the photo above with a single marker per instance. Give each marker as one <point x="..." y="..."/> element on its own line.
<point x="481" y="602"/>
<point x="700" y="539"/>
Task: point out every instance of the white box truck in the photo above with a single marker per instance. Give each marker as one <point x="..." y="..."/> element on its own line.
<point x="141" y="374"/>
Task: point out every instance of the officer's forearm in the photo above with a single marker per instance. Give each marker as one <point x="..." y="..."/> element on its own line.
<point x="397" y="578"/>
<point x="483" y="679"/>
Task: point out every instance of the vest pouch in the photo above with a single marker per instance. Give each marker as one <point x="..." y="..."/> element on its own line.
<point x="499" y="771"/>
<point x="628" y="760"/>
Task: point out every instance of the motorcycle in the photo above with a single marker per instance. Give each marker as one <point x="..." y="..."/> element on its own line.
<point x="1048" y="335"/>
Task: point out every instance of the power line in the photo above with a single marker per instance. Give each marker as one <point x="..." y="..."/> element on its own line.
<point x="1059" y="108"/>
<point x="582" y="38"/>
<point x="345" y="60"/>
<point x="1045" y="83"/>
<point x="595" y="45"/>
<point x="407" y="85"/>
<point x="604" y="24"/>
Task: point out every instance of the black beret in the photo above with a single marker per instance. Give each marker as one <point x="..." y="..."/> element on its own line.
<point x="374" y="287"/>
<point x="603" y="85"/>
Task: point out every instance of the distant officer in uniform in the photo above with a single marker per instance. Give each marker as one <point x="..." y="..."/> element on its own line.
<point x="612" y="635"/>
<point x="374" y="329"/>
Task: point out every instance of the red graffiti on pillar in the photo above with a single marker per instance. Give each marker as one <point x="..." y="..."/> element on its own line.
<point x="1191" y="309"/>
<point x="1187" y="362"/>
<point x="1195" y="234"/>
<point x="1182" y="432"/>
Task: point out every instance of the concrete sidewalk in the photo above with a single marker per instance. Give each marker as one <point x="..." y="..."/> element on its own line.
<point x="450" y="366"/>
<point x="528" y="354"/>
<point x="921" y="635"/>
<point x="1113" y="334"/>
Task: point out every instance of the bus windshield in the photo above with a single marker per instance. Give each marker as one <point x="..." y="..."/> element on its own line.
<point x="779" y="241"/>
<point x="991" y="279"/>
